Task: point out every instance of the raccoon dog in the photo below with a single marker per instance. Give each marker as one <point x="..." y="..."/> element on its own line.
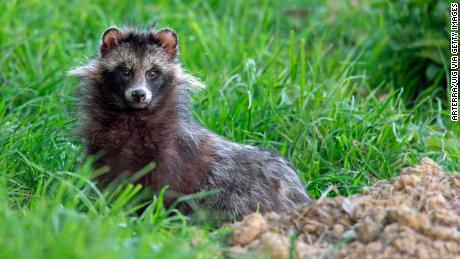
<point x="135" y="100"/>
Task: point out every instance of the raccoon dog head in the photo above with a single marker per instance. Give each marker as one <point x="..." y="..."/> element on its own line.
<point x="135" y="68"/>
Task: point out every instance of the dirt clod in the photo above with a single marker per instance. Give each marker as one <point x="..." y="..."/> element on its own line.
<point x="414" y="215"/>
<point x="248" y="229"/>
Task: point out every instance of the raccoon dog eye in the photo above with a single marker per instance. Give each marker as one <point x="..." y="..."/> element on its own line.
<point x="126" y="73"/>
<point x="152" y="74"/>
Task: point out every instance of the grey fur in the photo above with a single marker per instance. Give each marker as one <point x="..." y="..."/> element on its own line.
<point x="253" y="179"/>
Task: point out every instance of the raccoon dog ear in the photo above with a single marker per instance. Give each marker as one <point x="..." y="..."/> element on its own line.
<point x="168" y="41"/>
<point x="110" y="39"/>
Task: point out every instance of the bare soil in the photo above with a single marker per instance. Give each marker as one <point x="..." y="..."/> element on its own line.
<point x="414" y="215"/>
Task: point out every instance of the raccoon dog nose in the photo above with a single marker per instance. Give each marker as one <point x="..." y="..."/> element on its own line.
<point x="138" y="95"/>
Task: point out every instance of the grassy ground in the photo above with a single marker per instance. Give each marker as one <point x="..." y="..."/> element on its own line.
<point x="296" y="78"/>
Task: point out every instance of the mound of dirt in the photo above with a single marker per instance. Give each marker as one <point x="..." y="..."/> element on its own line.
<point x="414" y="215"/>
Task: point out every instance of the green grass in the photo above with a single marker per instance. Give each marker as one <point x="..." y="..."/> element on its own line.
<point x="296" y="78"/>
